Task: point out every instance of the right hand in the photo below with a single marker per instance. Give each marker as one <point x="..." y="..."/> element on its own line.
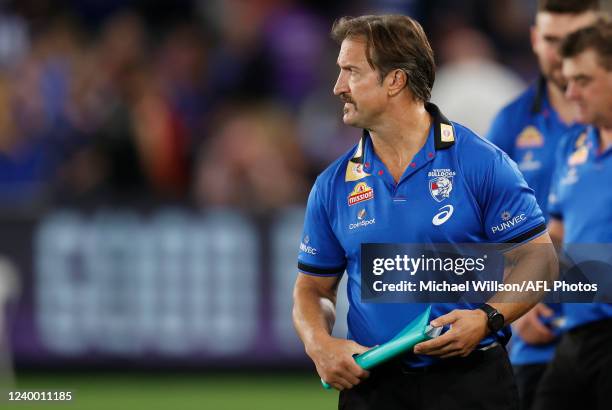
<point x="531" y="329"/>
<point x="335" y="364"/>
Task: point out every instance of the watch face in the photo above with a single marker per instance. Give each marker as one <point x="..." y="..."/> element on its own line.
<point x="496" y="322"/>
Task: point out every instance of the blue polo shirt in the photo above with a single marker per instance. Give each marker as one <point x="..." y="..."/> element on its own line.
<point x="458" y="189"/>
<point x="577" y="199"/>
<point x="529" y="130"/>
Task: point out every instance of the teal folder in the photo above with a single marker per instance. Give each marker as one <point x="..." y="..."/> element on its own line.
<point x="415" y="332"/>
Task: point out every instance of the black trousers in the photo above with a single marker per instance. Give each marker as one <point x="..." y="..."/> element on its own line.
<point x="528" y="378"/>
<point x="580" y="374"/>
<point x="481" y="381"/>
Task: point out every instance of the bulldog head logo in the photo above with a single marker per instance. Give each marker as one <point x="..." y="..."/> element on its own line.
<point x="440" y="187"/>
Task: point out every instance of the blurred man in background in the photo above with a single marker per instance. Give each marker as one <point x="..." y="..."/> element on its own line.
<point x="9" y="290"/>
<point x="471" y="84"/>
<point x="529" y="130"/>
<point x="580" y="375"/>
<point x="386" y="75"/>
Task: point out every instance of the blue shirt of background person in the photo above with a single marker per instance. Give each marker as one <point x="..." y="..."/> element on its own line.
<point x="529" y="130"/>
<point x="584" y="208"/>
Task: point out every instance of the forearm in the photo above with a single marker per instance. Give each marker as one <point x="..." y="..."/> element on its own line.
<point x="556" y="232"/>
<point x="314" y="314"/>
<point x="536" y="263"/>
<point x="512" y="311"/>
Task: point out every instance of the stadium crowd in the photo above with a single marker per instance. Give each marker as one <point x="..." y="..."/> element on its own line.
<point x="211" y="103"/>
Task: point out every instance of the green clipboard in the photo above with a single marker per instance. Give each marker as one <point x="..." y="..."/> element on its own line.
<point x="415" y="332"/>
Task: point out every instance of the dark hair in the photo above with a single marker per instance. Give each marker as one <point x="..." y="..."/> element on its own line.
<point x="597" y="37"/>
<point x="568" y="6"/>
<point x="393" y="42"/>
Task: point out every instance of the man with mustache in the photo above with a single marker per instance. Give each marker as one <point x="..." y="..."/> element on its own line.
<point x="388" y="182"/>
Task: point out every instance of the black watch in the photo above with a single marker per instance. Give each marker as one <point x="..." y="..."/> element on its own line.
<point x="495" y="320"/>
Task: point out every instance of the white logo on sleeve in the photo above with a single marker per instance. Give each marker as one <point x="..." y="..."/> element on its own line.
<point x="305" y="247"/>
<point x="444" y="215"/>
<point x="509" y="222"/>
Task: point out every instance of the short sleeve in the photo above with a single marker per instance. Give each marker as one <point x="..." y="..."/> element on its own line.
<point x="510" y="210"/>
<point x="320" y="252"/>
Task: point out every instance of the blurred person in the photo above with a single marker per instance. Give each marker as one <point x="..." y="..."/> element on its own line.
<point x="240" y="64"/>
<point x="386" y="75"/>
<point x="16" y="39"/>
<point x="182" y="65"/>
<point x="321" y="132"/>
<point x="123" y="42"/>
<point x="41" y="135"/>
<point x="296" y="69"/>
<point x="121" y="54"/>
<point x="529" y="130"/>
<point x="9" y="289"/>
<point x="507" y="22"/>
<point x="471" y="85"/>
<point x="133" y="113"/>
<point x="160" y="137"/>
<point x="322" y="135"/>
<point x="105" y="88"/>
<point x="580" y="374"/>
<point x="252" y="162"/>
<point x="504" y="21"/>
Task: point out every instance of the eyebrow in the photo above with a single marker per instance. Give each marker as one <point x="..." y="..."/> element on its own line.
<point x="346" y="66"/>
<point x="580" y="77"/>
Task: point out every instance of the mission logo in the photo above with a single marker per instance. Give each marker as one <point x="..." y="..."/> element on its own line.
<point x="361" y="192"/>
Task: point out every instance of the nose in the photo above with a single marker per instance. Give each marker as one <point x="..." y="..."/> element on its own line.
<point x="341" y="84"/>
<point x="571" y="92"/>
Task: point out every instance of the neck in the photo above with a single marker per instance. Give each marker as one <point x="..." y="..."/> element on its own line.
<point x="400" y="135"/>
<point x="562" y="106"/>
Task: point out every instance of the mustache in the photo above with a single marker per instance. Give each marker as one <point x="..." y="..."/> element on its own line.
<point x="346" y="98"/>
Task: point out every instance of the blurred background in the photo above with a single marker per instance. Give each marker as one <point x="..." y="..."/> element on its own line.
<point x="155" y="160"/>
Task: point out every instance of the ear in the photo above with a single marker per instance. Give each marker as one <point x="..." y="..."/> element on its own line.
<point x="396" y="81"/>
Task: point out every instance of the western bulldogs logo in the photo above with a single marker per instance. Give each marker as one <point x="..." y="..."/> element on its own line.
<point x="441" y="187"/>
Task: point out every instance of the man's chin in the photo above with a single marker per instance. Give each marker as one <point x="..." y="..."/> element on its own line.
<point x="583" y="118"/>
<point x="348" y="119"/>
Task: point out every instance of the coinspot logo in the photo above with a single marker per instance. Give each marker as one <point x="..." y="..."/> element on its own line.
<point x="362" y="221"/>
<point x="444" y="215"/>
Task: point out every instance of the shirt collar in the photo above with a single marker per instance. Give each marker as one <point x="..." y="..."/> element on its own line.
<point x="593" y="140"/>
<point x="443" y="138"/>
<point x="444" y="135"/>
<point x="541" y="96"/>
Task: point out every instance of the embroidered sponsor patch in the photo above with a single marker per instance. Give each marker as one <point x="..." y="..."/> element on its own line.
<point x="361" y="192"/>
<point x="579" y="156"/>
<point x="355" y="172"/>
<point x="446" y="133"/>
<point x="530" y="137"/>
<point x="528" y="163"/>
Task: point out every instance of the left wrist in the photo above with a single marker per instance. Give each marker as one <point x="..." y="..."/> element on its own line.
<point x="494" y="319"/>
<point x="484" y="318"/>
